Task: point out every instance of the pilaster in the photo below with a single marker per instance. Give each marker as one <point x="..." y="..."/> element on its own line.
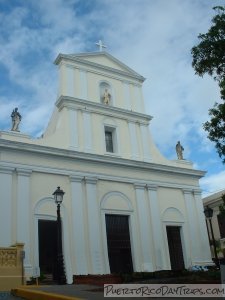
<point x="78" y="226"/>
<point x="147" y="265"/>
<point x="96" y="251"/>
<point x="6" y="206"/>
<point x="74" y="139"/>
<point x="157" y="230"/>
<point x="24" y="214"/>
<point x="205" y="249"/>
<point x="137" y="99"/>
<point x="133" y="140"/>
<point x="88" y="145"/>
<point x="83" y="85"/>
<point x="144" y="138"/>
<point x="126" y="92"/>
<point x="70" y="80"/>
<point x="192" y="226"/>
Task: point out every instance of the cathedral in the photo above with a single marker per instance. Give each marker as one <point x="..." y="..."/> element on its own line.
<point x="126" y="208"/>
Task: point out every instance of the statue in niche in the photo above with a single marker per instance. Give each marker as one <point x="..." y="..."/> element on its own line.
<point x="179" y="150"/>
<point x="106" y="97"/>
<point x="16" y="118"/>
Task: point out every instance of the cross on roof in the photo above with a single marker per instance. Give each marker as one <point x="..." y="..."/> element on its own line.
<point x="101" y="45"/>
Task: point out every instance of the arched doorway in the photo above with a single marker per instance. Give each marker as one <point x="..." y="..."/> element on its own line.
<point x="117" y="222"/>
<point x="45" y="214"/>
<point x="173" y="221"/>
<point x="47" y="239"/>
<point x="118" y="242"/>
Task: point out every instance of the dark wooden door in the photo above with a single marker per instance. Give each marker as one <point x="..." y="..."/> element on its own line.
<point x="175" y="247"/>
<point x="47" y="234"/>
<point x="118" y="241"/>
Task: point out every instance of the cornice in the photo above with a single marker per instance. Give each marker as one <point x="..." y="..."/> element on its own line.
<point x="187" y="191"/>
<point x="152" y="187"/>
<point x="139" y="186"/>
<point x="91" y="180"/>
<point x="197" y="192"/>
<point x="24" y="171"/>
<point x="96" y="158"/>
<point x="79" y="176"/>
<point x="213" y="202"/>
<point x="101" y="73"/>
<point x="6" y="169"/>
<point x="98" y="108"/>
<point x="76" y="178"/>
<point x="16" y="134"/>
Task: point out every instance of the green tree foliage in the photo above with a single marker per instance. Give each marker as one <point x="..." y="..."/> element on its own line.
<point x="209" y="58"/>
<point x="222" y="206"/>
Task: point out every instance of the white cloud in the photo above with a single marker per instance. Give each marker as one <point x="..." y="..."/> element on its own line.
<point x="152" y="37"/>
<point x="213" y="183"/>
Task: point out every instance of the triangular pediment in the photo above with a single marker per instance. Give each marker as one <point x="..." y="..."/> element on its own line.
<point x="107" y="60"/>
<point x="103" y="59"/>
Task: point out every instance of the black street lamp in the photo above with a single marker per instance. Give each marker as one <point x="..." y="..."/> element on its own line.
<point x="60" y="271"/>
<point x="208" y="211"/>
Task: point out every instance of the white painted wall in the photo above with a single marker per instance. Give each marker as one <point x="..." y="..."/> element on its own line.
<point x="136" y="181"/>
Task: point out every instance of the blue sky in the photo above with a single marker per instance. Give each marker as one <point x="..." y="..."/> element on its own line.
<point x="154" y="37"/>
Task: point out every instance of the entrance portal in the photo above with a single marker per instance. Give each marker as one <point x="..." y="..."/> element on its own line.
<point x="175" y="247"/>
<point x="118" y="241"/>
<point x="47" y="234"/>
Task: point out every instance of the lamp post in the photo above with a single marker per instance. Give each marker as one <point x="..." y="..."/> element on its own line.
<point x="60" y="272"/>
<point x="208" y="211"/>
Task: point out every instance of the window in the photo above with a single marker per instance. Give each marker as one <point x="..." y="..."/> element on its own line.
<point x="110" y="139"/>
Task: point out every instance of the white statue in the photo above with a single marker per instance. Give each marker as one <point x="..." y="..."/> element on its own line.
<point x="16" y="118"/>
<point x="106" y="97"/>
<point x="179" y="150"/>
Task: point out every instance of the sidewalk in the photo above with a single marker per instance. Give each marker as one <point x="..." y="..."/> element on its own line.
<point x="57" y="292"/>
<point x="73" y="292"/>
<point x="89" y="292"/>
<point x="8" y="296"/>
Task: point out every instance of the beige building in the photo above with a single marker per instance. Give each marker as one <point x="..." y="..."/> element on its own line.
<point x="126" y="207"/>
<point x="218" y="222"/>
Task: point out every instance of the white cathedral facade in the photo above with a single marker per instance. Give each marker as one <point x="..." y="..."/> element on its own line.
<point x="126" y="207"/>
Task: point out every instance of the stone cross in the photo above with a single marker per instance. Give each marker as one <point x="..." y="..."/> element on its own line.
<point x="101" y="45"/>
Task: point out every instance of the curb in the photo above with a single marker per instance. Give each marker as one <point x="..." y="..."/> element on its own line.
<point x="39" y="295"/>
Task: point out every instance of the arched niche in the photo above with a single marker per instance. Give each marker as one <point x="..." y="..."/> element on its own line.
<point x="116" y="201"/>
<point x="45" y="206"/>
<point x="172" y="214"/>
<point x="105" y="92"/>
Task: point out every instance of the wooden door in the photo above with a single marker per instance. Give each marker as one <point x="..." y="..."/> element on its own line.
<point x="175" y="247"/>
<point x="47" y="234"/>
<point x="118" y="241"/>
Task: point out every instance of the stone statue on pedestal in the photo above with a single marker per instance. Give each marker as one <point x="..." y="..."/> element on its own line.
<point x="179" y="150"/>
<point x="106" y="97"/>
<point x="16" y="118"/>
